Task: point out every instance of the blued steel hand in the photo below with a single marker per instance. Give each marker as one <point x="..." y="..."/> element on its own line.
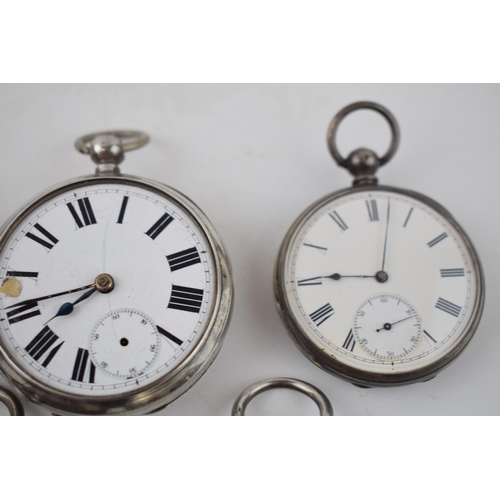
<point x="337" y="276"/>
<point x="386" y="232"/>
<point x="67" y="307"/>
<point x="37" y="299"/>
<point x="388" y="326"/>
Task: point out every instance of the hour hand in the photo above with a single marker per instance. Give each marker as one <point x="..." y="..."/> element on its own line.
<point x="67" y="307"/>
<point x="336" y="276"/>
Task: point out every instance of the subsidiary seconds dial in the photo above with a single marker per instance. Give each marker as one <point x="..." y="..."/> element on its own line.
<point x="125" y="343"/>
<point x="387" y="327"/>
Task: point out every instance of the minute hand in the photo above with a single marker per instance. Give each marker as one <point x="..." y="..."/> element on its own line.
<point x="386" y="232"/>
<point x="58" y="294"/>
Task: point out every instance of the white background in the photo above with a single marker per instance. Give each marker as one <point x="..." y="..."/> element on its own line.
<point x="253" y="157"/>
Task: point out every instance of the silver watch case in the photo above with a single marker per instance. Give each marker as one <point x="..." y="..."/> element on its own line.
<point x="173" y="384"/>
<point x="333" y="366"/>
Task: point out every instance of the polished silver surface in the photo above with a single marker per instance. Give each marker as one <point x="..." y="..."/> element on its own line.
<point x="324" y="405"/>
<point x="173" y="384"/>
<point x="107" y="148"/>
<point x="12" y="403"/>
<point x="363" y="163"/>
<point x="130" y="139"/>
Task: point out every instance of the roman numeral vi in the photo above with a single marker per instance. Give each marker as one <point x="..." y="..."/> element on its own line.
<point x="82" y="361"/>
<point x="349" y="342"/>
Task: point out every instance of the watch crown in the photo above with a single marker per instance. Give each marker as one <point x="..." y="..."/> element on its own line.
<point x="362" y="164"/>
<point x="107" y="153"/>
<point x="107" y="148"/>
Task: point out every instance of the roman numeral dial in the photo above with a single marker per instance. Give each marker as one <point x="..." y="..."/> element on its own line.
<point x="63" y="324"/>
<point x="379" y="280"/>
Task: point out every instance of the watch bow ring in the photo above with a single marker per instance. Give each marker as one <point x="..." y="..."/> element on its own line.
<point x="323" y="403"/>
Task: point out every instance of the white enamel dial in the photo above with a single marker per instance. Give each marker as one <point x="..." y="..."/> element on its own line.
<point x="164" y="289"/>
<point x="362" y="261"/>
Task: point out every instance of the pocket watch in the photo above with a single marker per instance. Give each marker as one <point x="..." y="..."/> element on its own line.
<point x="378" y="285"/>
<point x="116" y="290"/>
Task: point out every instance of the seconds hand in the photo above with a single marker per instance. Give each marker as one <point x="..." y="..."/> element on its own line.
<point x="388" y="326"/>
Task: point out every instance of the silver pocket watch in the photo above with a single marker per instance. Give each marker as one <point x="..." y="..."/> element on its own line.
<point x="116" y="290"/>
<point x="378" y="285"/>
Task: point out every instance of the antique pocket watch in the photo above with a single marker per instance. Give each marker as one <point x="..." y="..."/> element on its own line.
<point x="377" y="285"/>
<point x="117" y="290"/>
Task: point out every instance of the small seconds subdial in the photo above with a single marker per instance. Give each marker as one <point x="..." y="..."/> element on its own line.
<point x="124" y="343"/>
<point x="387" y="327"/>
